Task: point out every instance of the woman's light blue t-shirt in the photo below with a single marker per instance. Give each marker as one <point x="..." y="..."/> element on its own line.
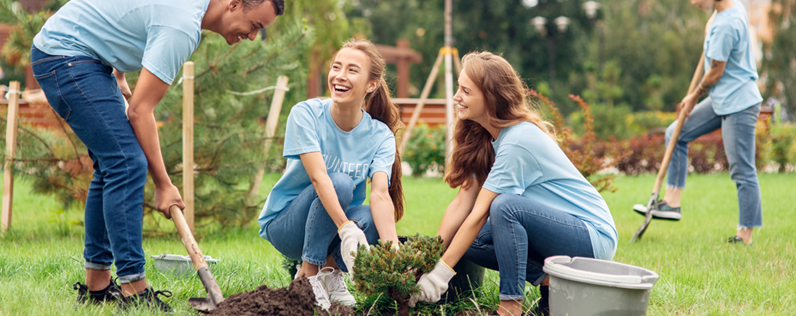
<point x="530" y="163"/>
<point x="360" y="153"/>
<point x="728" y="41"/>
<point x="127" y="34"/>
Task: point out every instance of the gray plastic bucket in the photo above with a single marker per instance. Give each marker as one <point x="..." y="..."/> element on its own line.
<point x="586" y="286"/>
<point x="179" y="265"/>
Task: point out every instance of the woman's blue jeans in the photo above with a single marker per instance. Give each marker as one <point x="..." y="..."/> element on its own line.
<point x="305" y="231"/>
<point x="84" y="93"/>
<point x="738" y="133"/>
<point x="519" y="234"/>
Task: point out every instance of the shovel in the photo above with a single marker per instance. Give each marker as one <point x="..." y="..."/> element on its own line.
<point x="668" y="155"/>
<point x="214" y="296"/>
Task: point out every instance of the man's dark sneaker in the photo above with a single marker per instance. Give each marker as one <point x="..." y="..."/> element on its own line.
<point x="736" y="240"/>
<point x="110" y="293"/>
<point x="147" y="298"/>
<point x="660" y="211"/>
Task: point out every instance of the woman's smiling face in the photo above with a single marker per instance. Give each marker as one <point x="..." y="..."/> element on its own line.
<point x="349" y="77"/>
<point x="469" y="99"/>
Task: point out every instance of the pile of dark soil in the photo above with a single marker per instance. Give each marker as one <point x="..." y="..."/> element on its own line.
<point x="296" y="299"/>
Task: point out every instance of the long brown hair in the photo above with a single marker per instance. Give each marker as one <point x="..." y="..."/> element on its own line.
<point x="506" y="104"/>
<point x="379" y="105"/>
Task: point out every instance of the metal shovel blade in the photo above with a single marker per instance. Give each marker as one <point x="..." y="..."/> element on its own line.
<point x="214" y="297"/>
<point x="202" y="304"/>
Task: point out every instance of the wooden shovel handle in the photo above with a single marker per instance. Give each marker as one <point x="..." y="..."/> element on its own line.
<point x="197" y="258"/>
<point x="667" y="156"/>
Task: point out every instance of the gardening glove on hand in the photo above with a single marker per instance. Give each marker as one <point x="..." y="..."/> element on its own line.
<point x="433" y="284"/>
<point x="350" y="239"/>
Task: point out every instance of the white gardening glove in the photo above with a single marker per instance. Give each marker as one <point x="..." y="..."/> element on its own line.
<point x="433" y="284"/>
<point x="350" y="239"/>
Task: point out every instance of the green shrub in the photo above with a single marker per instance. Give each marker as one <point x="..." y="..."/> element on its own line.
<point x="385" y="271"/>
<point x="425" y="150"/>
<point x="783" y="151"/>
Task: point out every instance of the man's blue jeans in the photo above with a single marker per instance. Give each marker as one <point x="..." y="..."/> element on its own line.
<point x="84" y="93"/>
<point x="519" y="234"/>
<point x="305" y="231"/>
<point x="738" y="133"/>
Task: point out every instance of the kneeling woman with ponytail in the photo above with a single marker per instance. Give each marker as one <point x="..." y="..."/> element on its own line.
<point x="314" y="213"/>
<point x="520" y="199"/>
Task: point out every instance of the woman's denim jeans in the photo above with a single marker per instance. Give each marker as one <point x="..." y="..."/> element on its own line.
<point x="84" y="93"/>
<point x="738" y="133"/>
<point x="305" y="231"/>
<point x="519" y="234"/>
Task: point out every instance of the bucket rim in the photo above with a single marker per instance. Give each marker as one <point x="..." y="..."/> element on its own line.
<point x="179" y="258"/>
<point x="556" y="266"/>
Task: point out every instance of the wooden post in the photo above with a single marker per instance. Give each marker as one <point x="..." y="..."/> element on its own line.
<point x="421" y="102"/>
<point x="270" y="130"/>
<point x="273" y="112"/>
<point x="11" y="147"/>
<point x="449" y="119"/>
<point x="314" y="77"/>
<point x="403" y="71"/>
<point x="187" y="143"/>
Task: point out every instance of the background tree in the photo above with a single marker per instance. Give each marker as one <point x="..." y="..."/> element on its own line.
<point x="780" y="63"/>
<point x="645" y="38"/>
<point x="228" y="134"/>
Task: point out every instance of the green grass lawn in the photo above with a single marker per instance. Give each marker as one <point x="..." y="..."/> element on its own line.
<point x="700" y="275"/>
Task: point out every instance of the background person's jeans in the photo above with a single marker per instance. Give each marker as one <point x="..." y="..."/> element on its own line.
<point x="519" y="234"/>
<point x="305" y="231"/>
<point x="84" y="92"/>
<point x="738" y="134"/>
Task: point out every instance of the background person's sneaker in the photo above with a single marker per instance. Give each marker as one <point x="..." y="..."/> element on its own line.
<point x="321" y="296"/>
<point x="147" y="298"/>
<point x="660" y="211"/>
<point x="110" y="293"/>
<point x="334" y="282"/>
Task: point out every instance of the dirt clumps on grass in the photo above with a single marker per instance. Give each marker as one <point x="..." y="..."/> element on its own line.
<point x="296" y="299"/>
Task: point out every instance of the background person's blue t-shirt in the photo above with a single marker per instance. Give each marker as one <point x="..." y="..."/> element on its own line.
<point x="728" y="41"/>
<point x="360" y="153"/>
<point x="127" y="34"/>
<point x="530" y="163"/>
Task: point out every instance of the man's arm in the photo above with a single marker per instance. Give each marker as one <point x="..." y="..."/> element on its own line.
<point x="709" y="80"/>
<point x="711" y="77"/>
<point x="148" y="92"/>
<point x="121" y="81"/>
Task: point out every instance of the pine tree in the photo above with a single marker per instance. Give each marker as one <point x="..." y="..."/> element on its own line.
<point x="228" y="133"/>
<point x="385" y="270"/>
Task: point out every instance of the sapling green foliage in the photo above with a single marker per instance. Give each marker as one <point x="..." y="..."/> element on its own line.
<point x="394" y="273"/>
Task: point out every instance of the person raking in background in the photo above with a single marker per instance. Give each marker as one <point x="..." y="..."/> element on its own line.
<point x="733" y="104"/>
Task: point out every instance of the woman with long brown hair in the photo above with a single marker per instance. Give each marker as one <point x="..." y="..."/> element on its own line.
<point x="520" y="199"/>
<point x="332" y="147"/>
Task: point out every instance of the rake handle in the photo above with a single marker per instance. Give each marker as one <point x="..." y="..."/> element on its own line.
<point x="667" y="156"/>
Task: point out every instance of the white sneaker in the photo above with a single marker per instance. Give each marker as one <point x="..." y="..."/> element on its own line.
<point x="335" y="285"/>
<point x="320" y="293"/>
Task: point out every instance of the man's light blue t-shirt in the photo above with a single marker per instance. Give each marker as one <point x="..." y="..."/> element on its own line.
<point x="728" y="41"/>
<point x="360" y="153"/>
<point x="127" y="34"/>
<point x="530" y="163"/>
